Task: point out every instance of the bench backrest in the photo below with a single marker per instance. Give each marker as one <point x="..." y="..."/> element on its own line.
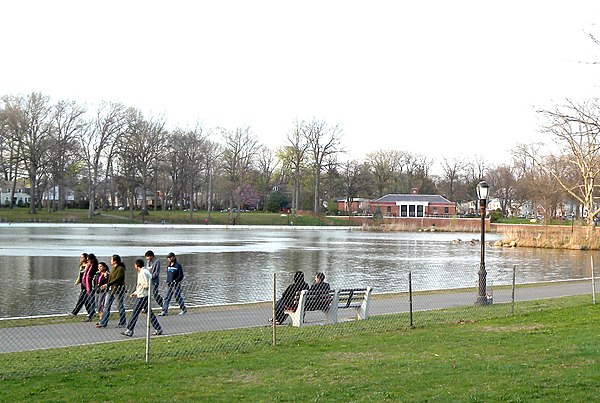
<point x="351" y="297"/>
<point x="315" y="300"/>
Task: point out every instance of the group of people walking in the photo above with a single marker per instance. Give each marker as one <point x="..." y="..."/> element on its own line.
<point x="101" y="285"/>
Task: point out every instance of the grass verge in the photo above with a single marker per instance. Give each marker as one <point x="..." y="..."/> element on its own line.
<point x="548" y="352"/>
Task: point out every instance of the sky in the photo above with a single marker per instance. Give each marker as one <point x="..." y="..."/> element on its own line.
<point x="446" y="79"/>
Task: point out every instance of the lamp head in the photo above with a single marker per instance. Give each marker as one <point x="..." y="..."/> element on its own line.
<point x="483" y="190"/>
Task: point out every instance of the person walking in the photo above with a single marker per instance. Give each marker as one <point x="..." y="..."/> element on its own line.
<point x="88" y="282"/>
<point x="116" y="289"/>
<point x="287" y="298"/>
<point x="153" y="266"/>
<point x="100" y="294"/>
<point x="144" y="280"/>
<point x="174" y="278"/>
<point x="83" y="260"/>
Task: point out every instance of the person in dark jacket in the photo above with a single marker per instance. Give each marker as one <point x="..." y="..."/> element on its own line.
<point x="287" y="298"/>
<point x="153" y="266"/>
<point x="174" y="278"/>
<point x="322" y="287"/>
<point x="116" y="289"/>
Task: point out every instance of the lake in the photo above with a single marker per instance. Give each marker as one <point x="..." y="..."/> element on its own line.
<point x="235" y="264"/>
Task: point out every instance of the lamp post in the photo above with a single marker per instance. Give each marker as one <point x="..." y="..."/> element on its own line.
<point x="482" y="194"/>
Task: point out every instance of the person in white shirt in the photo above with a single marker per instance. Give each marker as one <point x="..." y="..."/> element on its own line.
<point x="141" y="293"/>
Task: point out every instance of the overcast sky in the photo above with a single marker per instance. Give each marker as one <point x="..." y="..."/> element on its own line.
<point x="436" y="77"/>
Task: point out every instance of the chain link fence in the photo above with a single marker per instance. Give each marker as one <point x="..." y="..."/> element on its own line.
<point x="66" y="341"/>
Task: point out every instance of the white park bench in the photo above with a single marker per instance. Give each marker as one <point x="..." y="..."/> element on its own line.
<point x="329" y="302"/>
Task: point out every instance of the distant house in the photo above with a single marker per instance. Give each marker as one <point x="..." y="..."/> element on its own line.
<point x="413" y="205"/>
<point x="21" y="196"/>
<point x="356" y="204"/>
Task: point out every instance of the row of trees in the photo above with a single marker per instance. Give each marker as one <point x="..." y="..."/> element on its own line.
<point x="114" y="155"/>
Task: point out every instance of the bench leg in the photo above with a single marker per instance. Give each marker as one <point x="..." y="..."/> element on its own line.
<point x="363" y="310"/>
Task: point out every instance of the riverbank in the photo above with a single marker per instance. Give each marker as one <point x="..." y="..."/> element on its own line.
<point x="548" y="236"/>
<point x="80" y="216"/>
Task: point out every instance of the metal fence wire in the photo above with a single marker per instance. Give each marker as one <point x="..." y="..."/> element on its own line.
<point x="207" y="329"/>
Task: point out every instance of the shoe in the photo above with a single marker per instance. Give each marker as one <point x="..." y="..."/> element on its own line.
<point x="72" y="314"/>
<point x="270" y="320"/>
<point x="120" y="326"/>
<point x="157" y="333"/>
<point x="87" y="320"/>
<point x="98" y="325"/>
<point x="183" y="312"/>
<point x="127" y="333"/>
<point x="162" y="314"/>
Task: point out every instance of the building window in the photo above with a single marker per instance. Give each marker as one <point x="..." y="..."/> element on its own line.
<point x="404" y="210"/>
<point x="446" y="211"/>
<point x="419" y="211"/>
<point x="388" y="209"/>
<point x="411" y="211"/>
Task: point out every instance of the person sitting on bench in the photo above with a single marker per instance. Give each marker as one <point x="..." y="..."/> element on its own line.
<point x="320" y="286"/>
<point x="287" y="298"/>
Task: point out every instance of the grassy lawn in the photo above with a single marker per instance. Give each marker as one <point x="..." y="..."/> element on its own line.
<point x="548" y="352"/>
<point x="22" y="215"/>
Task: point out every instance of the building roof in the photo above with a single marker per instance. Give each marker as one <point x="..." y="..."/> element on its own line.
<point x="408" y="198"/>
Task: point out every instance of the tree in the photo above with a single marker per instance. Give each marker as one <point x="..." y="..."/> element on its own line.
<point x="453" y="170"/>
<point x="68" y="121"/>
<point x="503" y="183"/>
<point x="98" y="145"/>
<point x="323" y="141"/>
<point x="144" y="145"/>
<point x="266" y="164"/>
<point x="239" y="150"/>
<point x="293" y="156"/>
<point x="575" y="128"/>
<point x="33" y="122"/>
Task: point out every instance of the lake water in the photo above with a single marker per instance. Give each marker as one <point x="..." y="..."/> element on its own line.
<point x="38" y="263"/>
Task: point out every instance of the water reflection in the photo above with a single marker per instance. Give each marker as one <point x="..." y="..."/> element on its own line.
<point x="39" y="264"/>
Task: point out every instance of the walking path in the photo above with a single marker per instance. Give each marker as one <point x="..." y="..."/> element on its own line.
<point x="204" y="319"/>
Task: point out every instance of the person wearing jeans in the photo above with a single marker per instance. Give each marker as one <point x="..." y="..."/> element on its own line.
<point x="174" y="278"/>
<point x="116" y="289"/>
<point x="144" y="280"/>
<point x="153" y="266"/>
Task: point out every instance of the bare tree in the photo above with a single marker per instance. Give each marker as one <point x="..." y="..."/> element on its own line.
<point x="294" y="156"/>
<point x="575" y="127"/>
<point x="33" y="123"/>
<point x="503" y="184"/>
<point x="68" y="121"/>
<point x="13" y="127"/>
<point x="266" y="164"/>
<point x="382" y="165"/>
<point x="323" y="141"/>
<point x="144" y="145"/>
<point x="98" y="145"/>
<point x="240" y="147"/>
<point x="453" y="168"/>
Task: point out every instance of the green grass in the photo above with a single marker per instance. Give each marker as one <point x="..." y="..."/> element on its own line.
<point x="548" y="352"/>
<point x="22" y="215"/>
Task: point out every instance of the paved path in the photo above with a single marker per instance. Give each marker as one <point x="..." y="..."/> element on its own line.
<point x="254" y="315"/>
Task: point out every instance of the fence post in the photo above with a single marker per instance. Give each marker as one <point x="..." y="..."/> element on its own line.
<point x="593" y="282"/>
<point x="148" y="315"/>
<point x="410" y="298"/>
<point x="274" y="340"/>
<point x="513" y="289"/>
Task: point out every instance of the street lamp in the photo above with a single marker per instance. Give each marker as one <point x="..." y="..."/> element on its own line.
<point x="482" y="194"/>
